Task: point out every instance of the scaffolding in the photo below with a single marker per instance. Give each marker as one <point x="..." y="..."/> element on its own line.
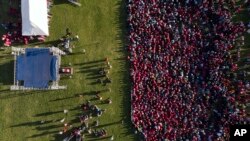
<point x="54" y="85"/>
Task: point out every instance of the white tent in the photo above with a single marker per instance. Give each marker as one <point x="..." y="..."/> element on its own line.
<point x="34" y="17"/>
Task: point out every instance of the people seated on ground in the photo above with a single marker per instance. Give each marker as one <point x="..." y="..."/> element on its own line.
<point x="108" y="100"/>
<point x="96" y="123"/>
<point x="102" y="72"/>
<point x="100" y="133"/>
<point x="109" y="65"/>
<point x="83" y="51"/>
<point x="41" y="38"/>
<point x="68" y="33"/>
<point x="97" y="111"/>
<point x="86" y="106"/>
<point x="75" y="133"/>
<point x="107" y="80"/>
<point x="89" y="130"/>
<point x="62" y="120"/>
<point x="99" y="80"/>
<point x="65" y="111"/>
<point x="60" y="132"/>
<point x="85" y="125"/>
<point x="90" y="115"/>
<point x="98" y="97"/>
<point x="83" y="118"/>
<point x="76" y="37"/>
<point x="79" y="138"/>
<point x="111" y="138"/>
<point x="66" y="127"/>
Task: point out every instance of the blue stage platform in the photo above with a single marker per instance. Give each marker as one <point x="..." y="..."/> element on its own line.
<point x="36" y="67"/>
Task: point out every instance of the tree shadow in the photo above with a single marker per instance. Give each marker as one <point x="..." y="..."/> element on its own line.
<point x="7" y="71"/>
<point x="124" y="64"/>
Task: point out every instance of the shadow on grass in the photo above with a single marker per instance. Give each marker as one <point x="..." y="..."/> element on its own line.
<point x="46" y="43"/>
<point x="124" y="64"/>
<point x="90" y="66"/>
<point x="43" y="134"/>
<point x="75" y="108"/>
<point x="66" y="98"/>
<point x="48" y="113"/>
<point x="58" y="2"/>
<point x="90" y="71"/>
<point x="6" y="56"/>
<point x="46" y="128"/>
<point x="100" y="138"/>
<point x="91" y="62"/>
<point x="88" y="93"/>
<point x="109" y="124"/>
<point x="35" y="123"/>
<point x="7" y="71"/>
<point x="96" y="44"/>
<point x="12" y="94"/>
<point x="4" y="91"/>
<point x="96" y="77"/>
<point x="92" y="92"/>
<point x="121" y="59"/>
<point x="76" y="53"/>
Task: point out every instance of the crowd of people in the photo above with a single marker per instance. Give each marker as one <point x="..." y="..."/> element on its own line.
<point x="182" y="70"/>
<point x="77" y="133"/>
<point x="14" y="28"/>
<point x="91" y="113"/>
<point x="89" y="110"/>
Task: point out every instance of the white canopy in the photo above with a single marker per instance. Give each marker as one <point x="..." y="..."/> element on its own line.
<point x="34" y="17"/>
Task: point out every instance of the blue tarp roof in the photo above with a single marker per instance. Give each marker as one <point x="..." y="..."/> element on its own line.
<point x="36" y="67"/>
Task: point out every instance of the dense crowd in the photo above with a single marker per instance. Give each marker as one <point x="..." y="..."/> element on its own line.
<point x="182" y="71"/>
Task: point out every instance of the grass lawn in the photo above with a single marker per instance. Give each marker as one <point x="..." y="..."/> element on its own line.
<point x="101" y="27"/>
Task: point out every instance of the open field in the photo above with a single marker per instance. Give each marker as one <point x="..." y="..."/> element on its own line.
<point x="102" y="31"/>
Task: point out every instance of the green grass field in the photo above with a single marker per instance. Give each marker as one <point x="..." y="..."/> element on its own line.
<point x="101" y="27"/>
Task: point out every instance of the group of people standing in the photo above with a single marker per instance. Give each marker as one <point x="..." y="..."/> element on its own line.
<point x="181" y="69"/>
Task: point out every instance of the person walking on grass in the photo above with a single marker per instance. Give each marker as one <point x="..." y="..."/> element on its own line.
<point x="112" y="138"/>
